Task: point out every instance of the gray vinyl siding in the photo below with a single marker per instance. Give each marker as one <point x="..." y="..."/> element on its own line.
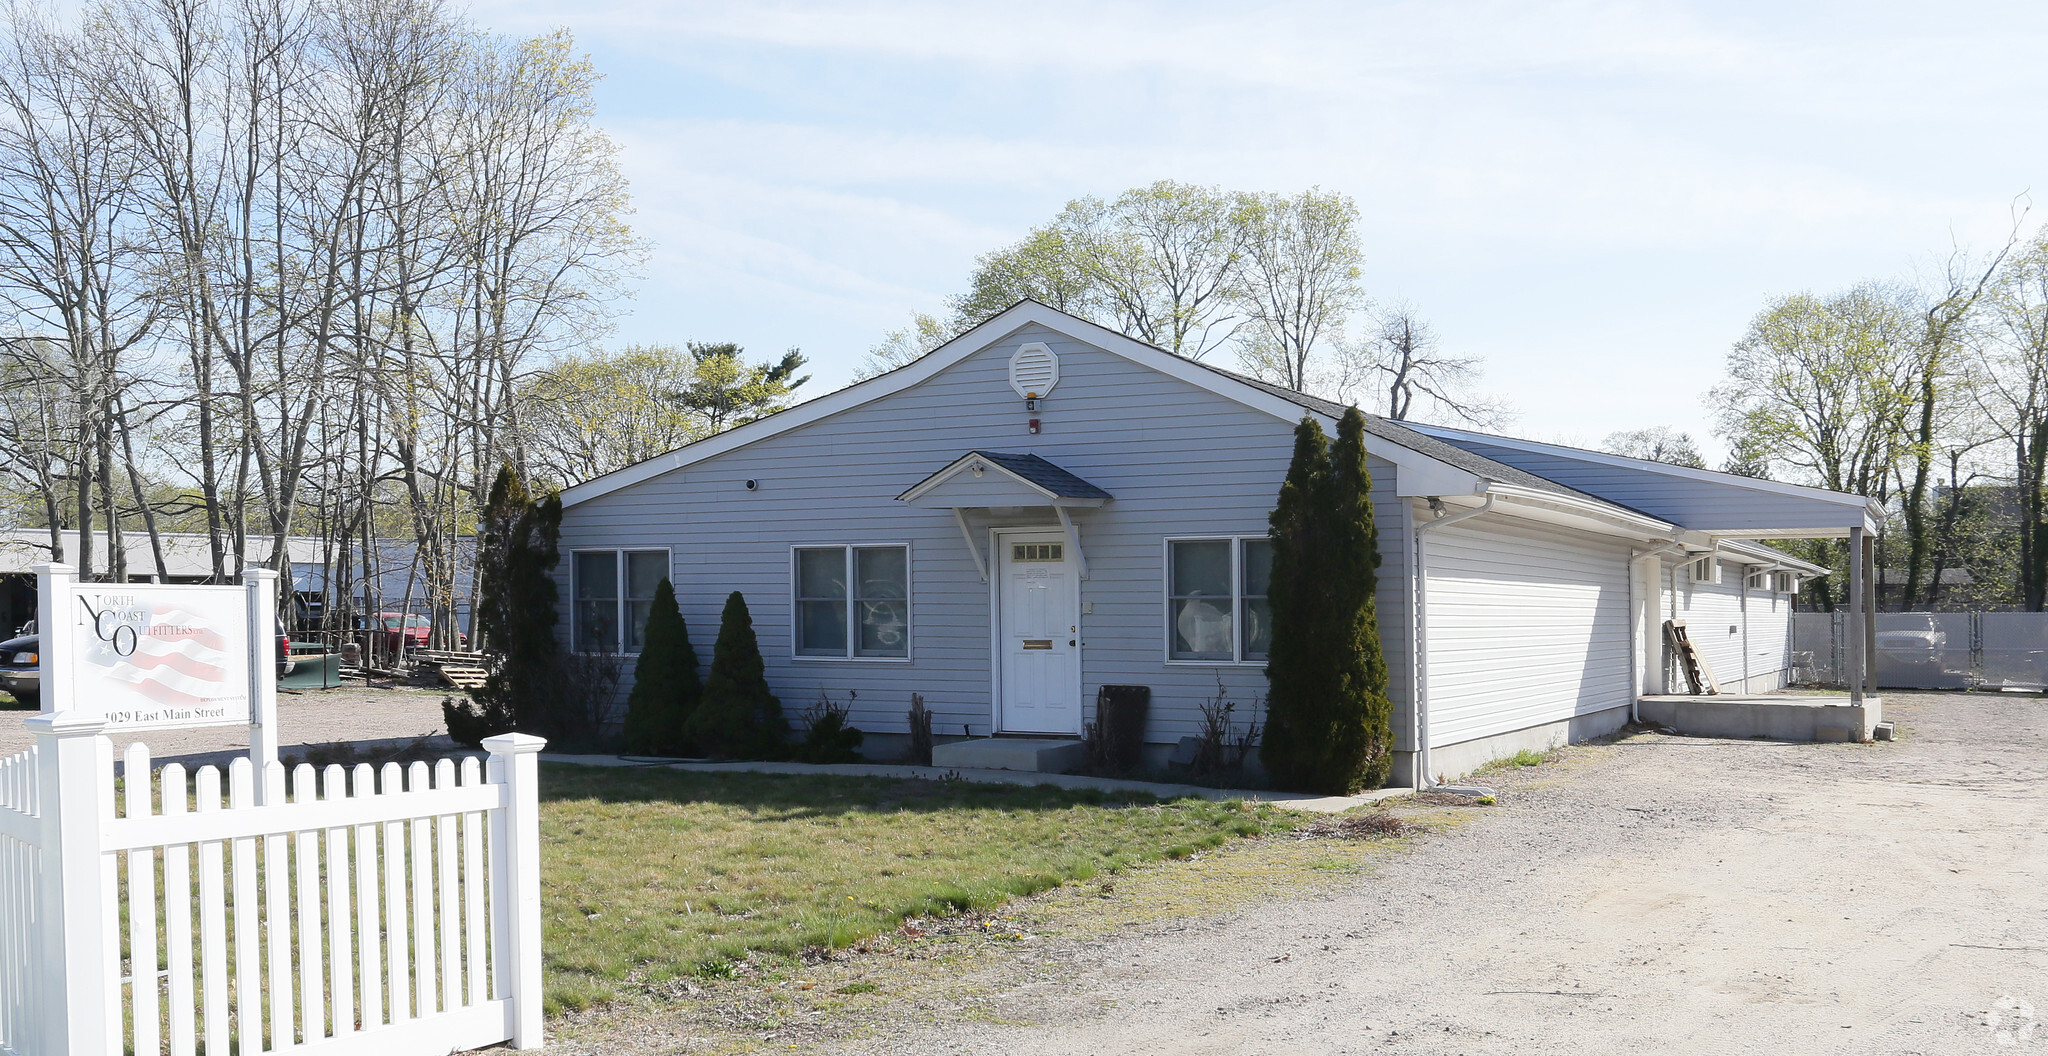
<point x="1694" y="503"/>
<point x="1770" y="640"/>
<point x="1752" y="658"/>
<point x="1528" y="625"/>
<point x="1179" y="461"/>
<point x="1713" y="620"/>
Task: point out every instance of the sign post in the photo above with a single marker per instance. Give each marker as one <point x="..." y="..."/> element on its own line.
<point x="150" y="656"/>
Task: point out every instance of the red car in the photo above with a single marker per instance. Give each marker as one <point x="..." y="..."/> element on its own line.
<point x="416" y="630"/>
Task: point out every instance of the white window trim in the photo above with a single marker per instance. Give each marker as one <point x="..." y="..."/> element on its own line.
<point x="1238" y="659"/>
<point x="852" y="624"/>
<point x="668" y="560"/>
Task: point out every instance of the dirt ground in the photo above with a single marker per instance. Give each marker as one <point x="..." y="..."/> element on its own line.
<point x="1658" y="895"/>
<point x="304" y="717"/>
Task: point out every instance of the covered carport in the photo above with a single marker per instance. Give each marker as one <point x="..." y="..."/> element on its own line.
<point x="1720" y="515"/>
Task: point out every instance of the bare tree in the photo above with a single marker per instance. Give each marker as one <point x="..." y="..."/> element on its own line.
<point x="1402" y="364"/>
<point x="68" y="257"/>
<point x="325" y="244"/>
<point x="588" y="415"/>
<point x="903" y="346"/>
<point x="1659" y="443"/>
<point x="2011" y="368"/>
<point x="1945" y="322"/>
<point x="1300" y="279"/>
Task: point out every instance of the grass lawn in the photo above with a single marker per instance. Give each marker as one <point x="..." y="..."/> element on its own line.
<point x="651" y="874"/>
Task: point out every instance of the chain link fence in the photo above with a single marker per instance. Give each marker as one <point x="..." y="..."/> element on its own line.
<point x="1928" y="650"/>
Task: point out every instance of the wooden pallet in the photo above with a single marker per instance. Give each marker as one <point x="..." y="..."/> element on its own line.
<point x="436" y="656"/>
<point x="464" y="676"/>
<point x="1697" y="673"/>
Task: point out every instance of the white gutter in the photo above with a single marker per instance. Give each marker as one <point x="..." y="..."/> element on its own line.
<point x="1624" y="522"/>
<point x="1419" y="644"/>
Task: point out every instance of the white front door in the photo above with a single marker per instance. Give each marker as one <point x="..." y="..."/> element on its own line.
<point x="1038" y="634"/>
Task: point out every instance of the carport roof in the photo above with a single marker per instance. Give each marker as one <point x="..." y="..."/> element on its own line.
<point x="1703" y="502"/>
<point x="1401" y="433"/>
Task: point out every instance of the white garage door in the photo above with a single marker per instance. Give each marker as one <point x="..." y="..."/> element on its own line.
<point x="1527" y="626"/>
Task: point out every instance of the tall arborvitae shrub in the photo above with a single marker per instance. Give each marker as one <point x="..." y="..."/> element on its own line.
<point x="665" y="683"/>
<point x="517" y="550"/>
<point x="1329" y="722"/>
<point x="1294" y="672"/>
<point x="1362" y="716"/>
<point x="737" y="717"/>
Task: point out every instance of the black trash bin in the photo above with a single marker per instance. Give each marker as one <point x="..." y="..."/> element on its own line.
<point x="1120" y="724"/>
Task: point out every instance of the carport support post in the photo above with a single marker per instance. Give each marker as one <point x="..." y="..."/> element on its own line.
<point x="1869" y="617"/>
<point x="1858" y="587"/>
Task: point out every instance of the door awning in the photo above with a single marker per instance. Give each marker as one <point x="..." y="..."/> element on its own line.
<point x="981" y="480"/>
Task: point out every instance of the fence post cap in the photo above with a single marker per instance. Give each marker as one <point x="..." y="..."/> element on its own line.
<point x="514" y="744"/>
<point x="55" y="568"/>
<point x="254" y="573"/>
<point x="62" y="725"/>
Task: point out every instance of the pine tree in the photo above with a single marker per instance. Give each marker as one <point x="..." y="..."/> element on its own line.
<point x="515" y="619"/>
<point x="737" y="716"/>
<point x="1329" y="725"/>
<point x="1360" y="753"/>
<point x="665" y="683"/>
<point x="1294" y="671"/>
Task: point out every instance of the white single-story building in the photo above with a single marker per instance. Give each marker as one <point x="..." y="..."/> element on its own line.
<point x="1042" y="507"/>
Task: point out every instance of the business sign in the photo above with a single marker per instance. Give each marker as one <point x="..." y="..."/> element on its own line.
<point x="153" y="657"/>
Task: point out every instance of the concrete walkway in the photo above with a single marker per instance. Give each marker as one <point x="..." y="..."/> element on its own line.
<point x="1288" y="800"/>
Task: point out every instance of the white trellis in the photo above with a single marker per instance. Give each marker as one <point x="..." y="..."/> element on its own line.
<point x="392" y="911"/>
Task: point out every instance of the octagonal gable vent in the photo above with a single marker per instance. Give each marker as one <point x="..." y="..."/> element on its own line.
<point x="1034" y="370"/>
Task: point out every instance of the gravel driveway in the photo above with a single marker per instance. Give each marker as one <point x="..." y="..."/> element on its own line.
<point x="1662" y="895"/>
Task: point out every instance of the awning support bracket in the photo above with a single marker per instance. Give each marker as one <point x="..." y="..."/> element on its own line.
<point x="1073" y="539"/>
<point x="967" y="537"/>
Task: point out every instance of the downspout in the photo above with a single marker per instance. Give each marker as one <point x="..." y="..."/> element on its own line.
<point x="1419" y="646"/>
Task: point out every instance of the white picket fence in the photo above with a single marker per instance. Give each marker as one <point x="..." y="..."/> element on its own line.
<point x="339" y="911"/>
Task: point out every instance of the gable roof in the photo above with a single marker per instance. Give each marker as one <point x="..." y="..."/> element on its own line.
<point x="1432" y="460"/>
<point x="1420" y="468"/>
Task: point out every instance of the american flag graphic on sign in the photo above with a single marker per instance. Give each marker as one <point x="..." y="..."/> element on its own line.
<point x="178" y="660"/>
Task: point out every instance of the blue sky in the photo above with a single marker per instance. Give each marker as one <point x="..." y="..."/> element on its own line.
<point x="1594" y="197"/>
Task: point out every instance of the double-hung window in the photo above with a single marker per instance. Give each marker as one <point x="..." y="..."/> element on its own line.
<point x="852" y="602"/>
<point x="614" y="592"/>
<point x="1216" y="607"/>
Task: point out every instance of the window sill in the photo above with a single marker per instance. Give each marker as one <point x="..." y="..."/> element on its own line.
<point x="1215" y="663"/>
<point x="851" y="659"/>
